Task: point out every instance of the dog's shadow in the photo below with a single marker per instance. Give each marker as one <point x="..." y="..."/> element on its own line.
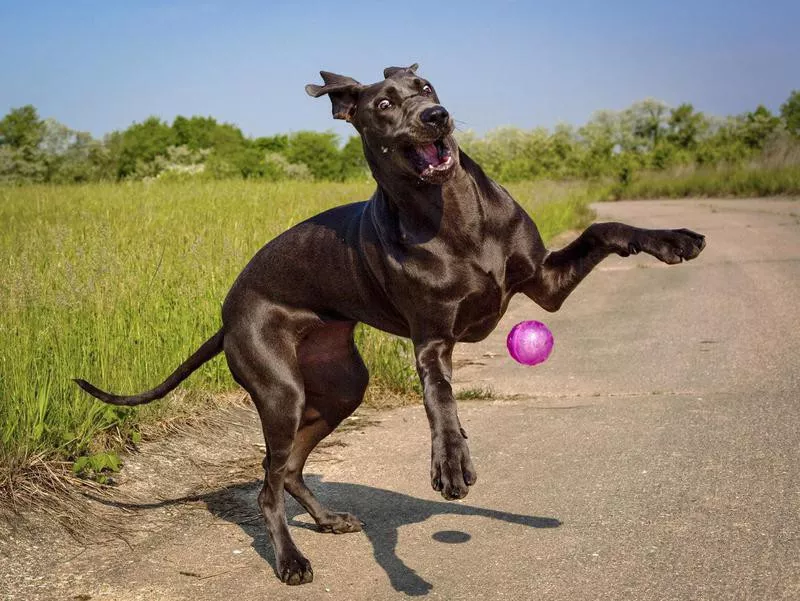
<point x="383" y="512"/>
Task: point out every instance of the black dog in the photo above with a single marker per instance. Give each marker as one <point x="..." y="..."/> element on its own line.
<point x="435" y="255"/>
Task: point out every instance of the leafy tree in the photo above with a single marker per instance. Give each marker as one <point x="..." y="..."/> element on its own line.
<point x="279" y="143"/>
<point x="246" y="158"/>
<point x="21" y="166"/>
<point x="645" y="124"/>
<point x="106" y="156"/>
<point x="598" y="137"/>
<point x="354" y="165"/>
<point x="21" y="159"/>
<point x="562" y="150"/>
<point x="22" y="128"/>
<point x="76" y="165"/>
<point x="195" y="132"/>
<point x="319" y="151"/>
<point x="199" y="133"/>
<point x="685" y="126"/>
<point x="790" y="112"/>
<point x="722" y="143"/>
<point x="757" y="126"/>
<point x="142" y="143"/>
<point x="67" y="154"/>
<point x="56" y="137"/>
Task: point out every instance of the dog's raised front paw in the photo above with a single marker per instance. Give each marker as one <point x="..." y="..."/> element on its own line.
<point x="452" y="472"/>
<point x="670" y="246"/>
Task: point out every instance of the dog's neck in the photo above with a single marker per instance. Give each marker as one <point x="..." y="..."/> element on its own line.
<point x="421" y="210"/>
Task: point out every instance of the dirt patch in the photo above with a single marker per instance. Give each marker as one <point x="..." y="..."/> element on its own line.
<point x="202" y="475"/>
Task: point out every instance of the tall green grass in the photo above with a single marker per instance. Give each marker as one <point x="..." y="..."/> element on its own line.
<point x="557" y="206"/>
<point x="739" y="181"/>
<point x="118" y="283"/>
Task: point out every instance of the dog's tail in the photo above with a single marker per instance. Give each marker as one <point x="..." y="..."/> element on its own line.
<point x="209" y="349"/>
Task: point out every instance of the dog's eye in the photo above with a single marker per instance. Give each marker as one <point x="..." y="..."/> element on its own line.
<point x="384" y="104"/>
<point x="426" y="89"/>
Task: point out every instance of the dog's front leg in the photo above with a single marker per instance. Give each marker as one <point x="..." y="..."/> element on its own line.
<point x="564" y="269"/>
<point x="451" y="467"/>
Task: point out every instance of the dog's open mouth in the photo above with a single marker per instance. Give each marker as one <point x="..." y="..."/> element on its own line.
<point x="431" y="159"/>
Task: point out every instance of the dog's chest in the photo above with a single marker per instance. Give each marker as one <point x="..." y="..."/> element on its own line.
<point x="478" y="311"/>
<point x="464" y="301"/>
<point x="459" y="295"/>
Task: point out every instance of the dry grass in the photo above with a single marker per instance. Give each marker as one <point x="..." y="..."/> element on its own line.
<point x="53" y="490"/>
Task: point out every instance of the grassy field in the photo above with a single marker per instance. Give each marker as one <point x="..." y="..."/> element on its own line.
<point x="118" y="283"/>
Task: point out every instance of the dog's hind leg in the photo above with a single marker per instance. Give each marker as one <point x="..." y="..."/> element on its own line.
<point x="335" y="379"/>
<point x="262" y="360"/>
<point x="563" y="270"/>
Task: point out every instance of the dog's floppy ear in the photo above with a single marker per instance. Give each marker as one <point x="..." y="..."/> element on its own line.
<point x="343" y="92"/>
<point x="389" y="71"/>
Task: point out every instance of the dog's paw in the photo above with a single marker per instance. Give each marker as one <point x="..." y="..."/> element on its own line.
<point x="295" y="569"/>
<point x="452" y="472"/>
<point x="670" y="246"/>
<point x="340" y="523"/>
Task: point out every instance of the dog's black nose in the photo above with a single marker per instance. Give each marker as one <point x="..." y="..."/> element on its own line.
<point x="435" y="115"/>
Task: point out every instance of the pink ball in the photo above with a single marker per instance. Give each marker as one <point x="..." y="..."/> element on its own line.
<point x="530" y="342"/>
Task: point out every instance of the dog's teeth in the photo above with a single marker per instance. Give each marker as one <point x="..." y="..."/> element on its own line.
<point x="384" y="150"/>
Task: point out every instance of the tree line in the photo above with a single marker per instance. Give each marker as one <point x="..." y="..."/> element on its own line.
<point x="36" y="150"/>
<point x="647" y="135"/>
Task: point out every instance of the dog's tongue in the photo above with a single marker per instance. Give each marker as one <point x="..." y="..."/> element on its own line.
<point x="430" y="153"/>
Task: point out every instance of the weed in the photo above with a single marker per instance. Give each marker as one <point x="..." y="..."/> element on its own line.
<point x="471" y="394"/>
<point x="97" y="467"/>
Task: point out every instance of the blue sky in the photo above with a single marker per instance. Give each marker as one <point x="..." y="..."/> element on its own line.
<point x="100" y="65"/>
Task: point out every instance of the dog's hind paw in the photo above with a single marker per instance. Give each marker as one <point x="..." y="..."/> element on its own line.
<point x="340" y="523"/>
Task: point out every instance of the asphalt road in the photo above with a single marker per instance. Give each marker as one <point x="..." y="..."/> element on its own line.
<point x="654" y="456"/>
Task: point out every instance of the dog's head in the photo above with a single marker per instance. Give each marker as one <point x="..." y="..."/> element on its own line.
<point x="405" y="131"/>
